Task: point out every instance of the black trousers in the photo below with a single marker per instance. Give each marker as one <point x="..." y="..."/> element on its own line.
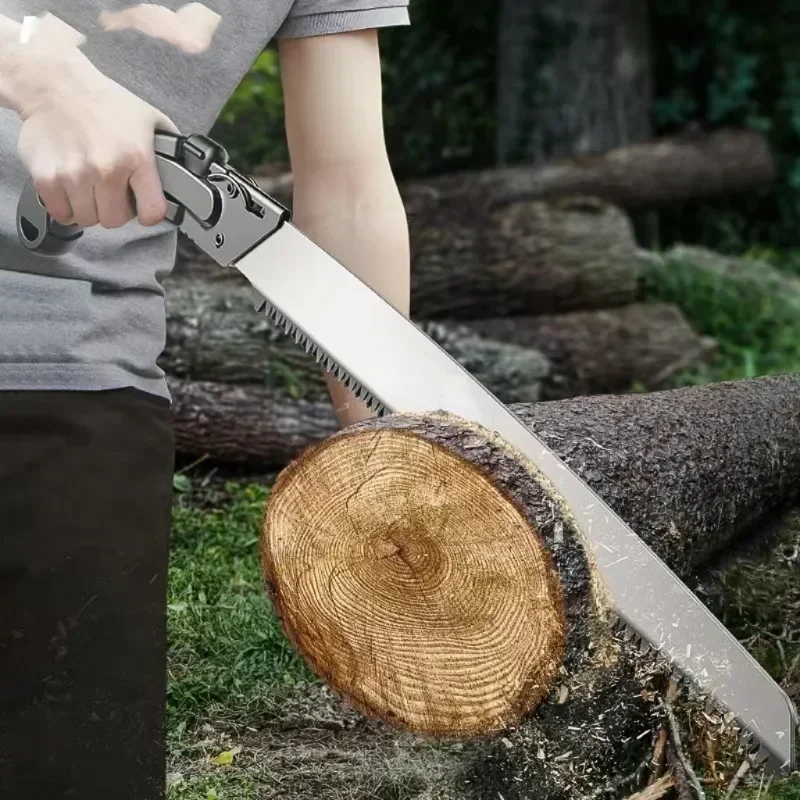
<point x="85" y="508"/>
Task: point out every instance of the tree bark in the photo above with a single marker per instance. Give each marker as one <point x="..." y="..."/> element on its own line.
<point x="213" y="334"/>
<point x="652" y="174"/>
<point x="527" y="257"/>
<point x="692" y="166"/>
<point x="245" y="425"/>
<point x="427" y="572"/>
<point x="246" y="394"/>
<point x="573" y="77"/>
<point x="605" y="352"/>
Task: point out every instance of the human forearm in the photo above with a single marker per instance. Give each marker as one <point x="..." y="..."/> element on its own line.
<point x="358" y="217"/>
<point x="13" y="64"/>
<point x="29" y="70"/>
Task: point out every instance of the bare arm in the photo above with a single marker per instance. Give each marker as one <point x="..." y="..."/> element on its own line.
<point x="24" y="68"/>
<point x="345" y="195"/>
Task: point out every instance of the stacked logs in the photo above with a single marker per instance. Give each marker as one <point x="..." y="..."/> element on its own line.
<point x="530" y="277"/>
<point x="424" y="568"/>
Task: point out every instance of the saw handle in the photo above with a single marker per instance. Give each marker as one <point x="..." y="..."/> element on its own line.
<point x="182" y="167"/>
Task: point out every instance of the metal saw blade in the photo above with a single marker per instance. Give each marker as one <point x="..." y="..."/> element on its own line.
<point x="394" y="366"/>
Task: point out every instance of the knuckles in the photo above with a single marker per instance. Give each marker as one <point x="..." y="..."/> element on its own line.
<point x="112" y="168"/>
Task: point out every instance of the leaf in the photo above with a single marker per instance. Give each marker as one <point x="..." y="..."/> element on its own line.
<point x="181" y="483"/>
<point x="225" y="758"/>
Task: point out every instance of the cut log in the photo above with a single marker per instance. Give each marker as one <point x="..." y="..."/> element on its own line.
<point x="605" y="352"/>
<point x="268" y="400"/>
<point x="246" y="425"/>
<point x="692" y="166"/>
<point x="663" y="172"/>
<point x="213" y="334"/>
<point x="527" y="257"/>
<point x="468" y="259"/>
<point x="427" y="572"/>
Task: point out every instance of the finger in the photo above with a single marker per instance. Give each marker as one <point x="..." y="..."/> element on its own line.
<point x="55" y="200"/>
<point x="151" y="205"/>
<point x="164" y="124"/>
<point x="81" y="197"/>
<point x="114" y="202"/>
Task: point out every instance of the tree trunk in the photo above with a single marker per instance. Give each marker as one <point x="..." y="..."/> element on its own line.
<point x="468" y="257"/>
<point x="662" y="172"/>
<point x="429" y="574"/>
<point x="213" y="334"/>
<point x="246" y="394"/>
<point x="245" y="424"/>
<point x="527" y="257"/>
<point x="605" y="352"/>
<point x="691" y="166"/>
<point x="574" y="76"/>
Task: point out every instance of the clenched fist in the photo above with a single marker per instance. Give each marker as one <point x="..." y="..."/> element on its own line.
<point x="87" y="141"/>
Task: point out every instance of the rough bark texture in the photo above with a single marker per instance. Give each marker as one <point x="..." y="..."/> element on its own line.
<point x="691" y="166"/>
<point x="574" y="76"/>
<point x="527" y="257"/>
<point x="661" y="172"/>
<point x="246" y="424"/>
<point x="522" y="258"/>
<point x="688" y="469"/>
<point x="605" y="352"/>
<point x="213" y="334"/>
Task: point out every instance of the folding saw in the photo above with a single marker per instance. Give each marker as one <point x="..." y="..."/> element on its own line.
<point x="389" y="363"/>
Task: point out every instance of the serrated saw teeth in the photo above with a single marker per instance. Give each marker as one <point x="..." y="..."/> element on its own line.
<point x="320" y="356"/>
<point x="749" y="742"/>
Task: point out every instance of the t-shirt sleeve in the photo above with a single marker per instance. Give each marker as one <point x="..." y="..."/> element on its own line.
<point x="320" y="17"/>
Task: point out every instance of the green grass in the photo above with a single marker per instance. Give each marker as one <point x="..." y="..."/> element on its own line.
<point x="230" y="663"/>
<point x="751" y="307"/>
<point x="228" y="658"/>
<point x="223" y="785"/>
<point x="788" y="789"/>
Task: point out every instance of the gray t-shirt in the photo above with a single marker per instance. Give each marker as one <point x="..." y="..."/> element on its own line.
<point x="95" y="319"/>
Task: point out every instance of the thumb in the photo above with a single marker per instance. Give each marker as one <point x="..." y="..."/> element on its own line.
<point x="163" y="124"/>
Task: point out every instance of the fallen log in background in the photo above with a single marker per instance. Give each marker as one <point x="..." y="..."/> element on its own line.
<point x="279" y="405"/>
<point x="426" y="572"/>
<point x="604" y="352"/>
<point x="470" y="261"/>
<point x="238" y="424"/>
<point x="692" y="166"/>
<point x="213" y="334"/>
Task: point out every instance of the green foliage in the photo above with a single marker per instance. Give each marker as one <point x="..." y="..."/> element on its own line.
<point x="438" y="85"/>
<point x="251" y="124"/>
<point x="751" y="308"/>
<point x="732" y="62"/>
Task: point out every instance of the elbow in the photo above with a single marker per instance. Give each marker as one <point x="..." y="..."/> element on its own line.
<point x="365" y="191"/>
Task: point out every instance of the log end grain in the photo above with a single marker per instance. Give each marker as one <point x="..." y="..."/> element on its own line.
<point x="426" y="575"/>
